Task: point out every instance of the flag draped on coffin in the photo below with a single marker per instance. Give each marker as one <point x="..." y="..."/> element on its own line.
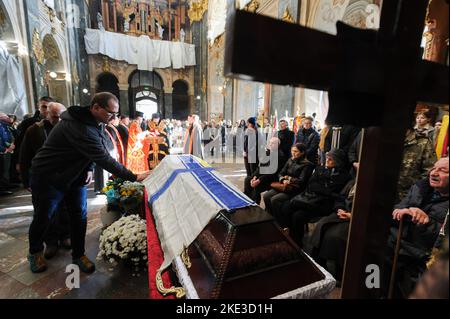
<point x="185" y="193"/>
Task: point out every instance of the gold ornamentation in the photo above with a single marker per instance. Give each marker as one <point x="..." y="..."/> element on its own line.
<point x="338" y="2"/>
<point x="252" y="6"/>
<point x="38" y="50"/>
<point x="106" y="67"/>
<point x="197" y="9"/>
<point x="185" y="258"/>
<point x="178" y="291"/>
<point x="218" y="42"/>
<point x="51" y="52"/>
<point x="287" y="16"/>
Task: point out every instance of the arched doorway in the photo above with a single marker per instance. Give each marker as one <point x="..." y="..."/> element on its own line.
<point x="55" y="72"/>
<point x="180" y="100"/>
<point x="107" y="82"/>
<point x="146" y="93"/>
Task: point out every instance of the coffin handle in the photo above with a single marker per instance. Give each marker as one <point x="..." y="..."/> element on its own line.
<point x="185" y="258"/>
<point x="178" y="291"/>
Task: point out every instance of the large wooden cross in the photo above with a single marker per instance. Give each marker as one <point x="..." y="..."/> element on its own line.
<point x="374" y="80"/>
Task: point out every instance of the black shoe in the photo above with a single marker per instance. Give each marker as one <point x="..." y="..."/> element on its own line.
<point x="50" y="251"/>
<point x="5" y="193"/>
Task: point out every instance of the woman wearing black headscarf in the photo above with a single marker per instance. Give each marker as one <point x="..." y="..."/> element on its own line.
<point x="318" y="199"/>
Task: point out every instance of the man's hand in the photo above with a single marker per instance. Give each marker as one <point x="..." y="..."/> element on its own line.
<point x="286" y="182"/>
<point x="254" y="182"/>
<point x="89" y="178"/>
<point x="342" y="214"/>
<point x="356" y="165"/>
<point x="398" y="213"/>
<point x="141" y="177"/>
<point x="419" y="216"/>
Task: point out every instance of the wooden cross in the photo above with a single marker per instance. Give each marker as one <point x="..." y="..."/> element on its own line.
<point x="374" y="80"/>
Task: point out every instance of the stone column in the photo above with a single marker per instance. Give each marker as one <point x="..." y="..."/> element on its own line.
<point x="124" y="101"/>
<point x="168" y="106"/>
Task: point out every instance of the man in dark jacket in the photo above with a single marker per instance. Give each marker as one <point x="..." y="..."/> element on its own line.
<point x="39" y="115"/>
<point x="286" y="137"/>
<point x="63" y="167"/>
<point x="34" y="138"/>
<point x="259" y="182"/>
<point x="425" y="207"/>
<point x="311" y="138"/>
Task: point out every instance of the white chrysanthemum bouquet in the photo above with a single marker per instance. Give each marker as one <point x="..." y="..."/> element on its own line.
<point x="126" y="239"/>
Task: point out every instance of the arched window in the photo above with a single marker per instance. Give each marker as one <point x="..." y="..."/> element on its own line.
<point x="180" y="100"/>
<point x="146" y="93"/>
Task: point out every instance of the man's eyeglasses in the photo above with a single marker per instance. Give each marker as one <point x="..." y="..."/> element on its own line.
<point x="110" y="113"/>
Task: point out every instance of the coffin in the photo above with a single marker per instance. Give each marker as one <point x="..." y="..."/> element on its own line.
<point x="244" y="254"/>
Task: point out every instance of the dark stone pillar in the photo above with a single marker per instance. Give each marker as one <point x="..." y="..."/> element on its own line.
<point x="167" y="106"/>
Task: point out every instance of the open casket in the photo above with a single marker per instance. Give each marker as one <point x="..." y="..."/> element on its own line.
<point x="244" y="254"/>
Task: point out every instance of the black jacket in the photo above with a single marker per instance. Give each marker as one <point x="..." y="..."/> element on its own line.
<point x="418" y="240"/>
<point x="22" y="129"/>
<point x="72" y="148"/>
<point x="311" y="139"/>
<point x="299" y="170"/>
<point x="287" y="138"/>
<point x="33" y="140"/>
<point x="268" y="178"/>
<point x="323" y="189"/>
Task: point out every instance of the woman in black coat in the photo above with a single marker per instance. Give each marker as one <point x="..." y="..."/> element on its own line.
<point x="295" y="172"/>
<point x="318" y="199"/>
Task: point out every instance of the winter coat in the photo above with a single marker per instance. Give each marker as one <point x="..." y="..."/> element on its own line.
<point x="311" y="139"/>
<point x="287" y="138"/>
<point x="72" y="148"/>
<point x="418" y="240"/>
<point x="323" y="188"/>
<point x="299" y="170"/>
<point x="33" y="140"/>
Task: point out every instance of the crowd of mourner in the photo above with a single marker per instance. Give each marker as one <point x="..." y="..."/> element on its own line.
<point x="56" y="152"/>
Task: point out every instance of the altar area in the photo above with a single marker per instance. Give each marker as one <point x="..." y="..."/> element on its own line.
<point x="218" y="242"/>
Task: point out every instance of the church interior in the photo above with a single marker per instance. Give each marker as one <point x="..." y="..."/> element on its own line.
<point x="200" y="149"/>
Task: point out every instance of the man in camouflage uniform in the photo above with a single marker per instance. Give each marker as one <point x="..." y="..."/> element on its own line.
<point x="419" y="157"/>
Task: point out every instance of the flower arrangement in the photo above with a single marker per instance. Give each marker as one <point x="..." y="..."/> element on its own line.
<point x="124" y="196"/>
<point x="125" y="239"/>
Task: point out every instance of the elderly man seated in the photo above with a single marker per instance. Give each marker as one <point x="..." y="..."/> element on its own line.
<point x="423" y="210"/>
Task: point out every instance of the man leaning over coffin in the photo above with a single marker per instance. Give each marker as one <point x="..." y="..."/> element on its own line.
<point x="62" y="169"/>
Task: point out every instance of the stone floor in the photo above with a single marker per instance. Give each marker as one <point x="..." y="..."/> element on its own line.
<point x="17" y="281"/>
